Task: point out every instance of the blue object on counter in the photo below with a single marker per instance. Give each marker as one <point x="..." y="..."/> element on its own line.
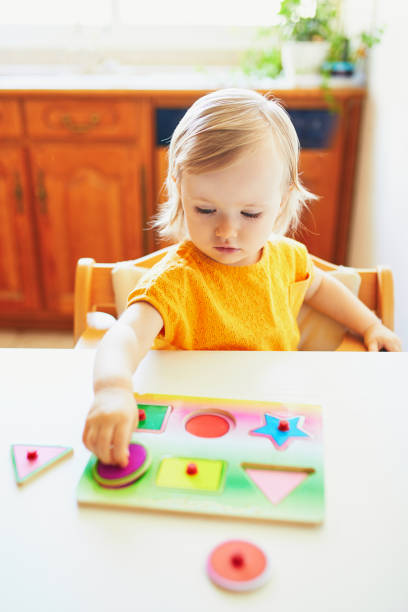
<point x="339" y="68"/>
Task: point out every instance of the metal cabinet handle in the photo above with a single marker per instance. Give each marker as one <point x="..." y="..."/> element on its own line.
<point x="42" y="193"/>
<point x="18" y="193"/>
<point x="80" y="128"/>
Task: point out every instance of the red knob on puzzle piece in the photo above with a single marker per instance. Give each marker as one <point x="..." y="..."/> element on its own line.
<point x="32" y="454"/>
<point x="142" y="414"/>
<point x="283" y="425"/>
<point x="237" y="560"/>
<point x="191" y="469"/>
<point x="238" y="565"/>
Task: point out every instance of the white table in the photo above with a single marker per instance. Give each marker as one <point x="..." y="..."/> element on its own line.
<point x="61" y="557"/>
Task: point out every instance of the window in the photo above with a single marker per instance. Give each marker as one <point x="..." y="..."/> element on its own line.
<point x="167" y="32"/>
<point x="131" y="12"/>
<point x="210" y="12"/>
<point x="49" y="12"/>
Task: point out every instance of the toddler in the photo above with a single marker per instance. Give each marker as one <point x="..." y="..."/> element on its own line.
<point x="233" y="280"/>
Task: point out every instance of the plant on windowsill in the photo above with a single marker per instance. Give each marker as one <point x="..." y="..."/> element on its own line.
<point x="347" y="56"/>
<point x="308" y="45"/>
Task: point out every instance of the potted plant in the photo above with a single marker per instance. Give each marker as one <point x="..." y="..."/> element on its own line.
<point x="347" y="55"/>
<point x="308" y="42"/>
<point x="306" y="36"/>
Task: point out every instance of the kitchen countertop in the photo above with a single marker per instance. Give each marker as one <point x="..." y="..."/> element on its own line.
<point x="137" y="78"/>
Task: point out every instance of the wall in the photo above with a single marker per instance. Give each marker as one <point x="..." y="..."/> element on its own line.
<point x="380" y="221"/>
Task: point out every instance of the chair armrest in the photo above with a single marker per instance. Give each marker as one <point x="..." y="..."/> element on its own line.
<point x="98" y="324"/>
<point x="351" y="343"/>
<point x="90" y="338"/>
<point x="385" y="296"/>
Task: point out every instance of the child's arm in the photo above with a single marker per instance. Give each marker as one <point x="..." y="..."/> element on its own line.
<point x="331" y="297"/>
<point x="113" y="414"/>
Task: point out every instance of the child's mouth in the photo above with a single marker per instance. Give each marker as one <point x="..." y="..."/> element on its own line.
<point x="221" y="249"/>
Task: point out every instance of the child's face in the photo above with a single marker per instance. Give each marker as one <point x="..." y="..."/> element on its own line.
<point x="231" y="212"/>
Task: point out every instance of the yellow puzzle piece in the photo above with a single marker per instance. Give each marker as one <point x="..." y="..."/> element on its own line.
<point x="173" y="473"/>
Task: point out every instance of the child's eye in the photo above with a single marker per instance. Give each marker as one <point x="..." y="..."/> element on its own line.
<point x="205" y="211"/>
<point x="251" y="215"/>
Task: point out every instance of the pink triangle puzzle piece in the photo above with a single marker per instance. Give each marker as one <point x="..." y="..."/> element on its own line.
<point x="276" y="484"/>
<point x="27" y="463"/>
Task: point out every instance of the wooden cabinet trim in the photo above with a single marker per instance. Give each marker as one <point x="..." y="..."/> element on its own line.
<point x="11" y="121"/>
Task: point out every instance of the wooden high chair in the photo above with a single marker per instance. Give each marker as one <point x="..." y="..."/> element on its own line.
<point x="95" y="307"/>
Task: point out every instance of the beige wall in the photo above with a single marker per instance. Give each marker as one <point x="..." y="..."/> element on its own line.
<point x="380" y="221"/>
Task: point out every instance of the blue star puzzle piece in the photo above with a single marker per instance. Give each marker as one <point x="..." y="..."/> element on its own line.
<point x="271" y="430"/>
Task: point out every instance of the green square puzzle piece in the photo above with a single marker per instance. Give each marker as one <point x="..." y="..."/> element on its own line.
<point x="172" y="474"/>
<point x="155" y="416"/>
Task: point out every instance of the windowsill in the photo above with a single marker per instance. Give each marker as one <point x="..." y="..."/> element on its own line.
<point x="134" y="58"/>
<point x="110" y="76"/>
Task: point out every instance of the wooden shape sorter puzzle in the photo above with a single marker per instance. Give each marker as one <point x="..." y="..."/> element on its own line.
<point x="226" y="457"/>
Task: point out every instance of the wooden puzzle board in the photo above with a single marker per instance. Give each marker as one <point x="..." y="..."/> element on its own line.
<point x="251" y="469"/>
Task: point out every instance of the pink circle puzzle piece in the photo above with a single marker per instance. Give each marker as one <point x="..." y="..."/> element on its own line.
<point x="238" y="565"/>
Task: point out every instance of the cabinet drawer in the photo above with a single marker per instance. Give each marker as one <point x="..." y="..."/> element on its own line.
<point x="83" y="119"/>
<point x="10" y="119"/>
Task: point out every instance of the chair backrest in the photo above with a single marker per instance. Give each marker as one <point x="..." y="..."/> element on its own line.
<point x="94" y="289"/>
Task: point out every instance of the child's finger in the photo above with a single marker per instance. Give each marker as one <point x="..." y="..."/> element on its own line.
<point x="372" y="346"/>
<point x="104" y="444"/>
<point x="89" y="437"/>
<point x="393" y="346"/>
<point x="135" y="421"/>
<point x="85" y="434"/>
<point x="121" y="440"/>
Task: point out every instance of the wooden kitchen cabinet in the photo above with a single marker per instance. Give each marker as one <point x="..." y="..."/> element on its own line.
<point x="81" y="174"/>
<point x="83" y="167"/>
<point x="19" y="287"/>
<point x="320" y="173"/>
<point x="88" y="203"/>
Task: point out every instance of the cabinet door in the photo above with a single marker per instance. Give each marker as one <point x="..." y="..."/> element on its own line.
<point x="18" y="262"/>
<point x="90" y="202"/>
<point x="319" y="173"/>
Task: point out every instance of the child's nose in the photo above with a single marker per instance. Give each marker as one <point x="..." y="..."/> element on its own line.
<point x="226" y="229"/>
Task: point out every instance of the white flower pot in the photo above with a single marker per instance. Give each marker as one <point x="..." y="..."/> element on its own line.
<point x="302" y="60"/>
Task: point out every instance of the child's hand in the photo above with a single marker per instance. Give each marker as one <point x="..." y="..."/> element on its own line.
<point x="377" y="337"/>
<point x="111" y="420"/>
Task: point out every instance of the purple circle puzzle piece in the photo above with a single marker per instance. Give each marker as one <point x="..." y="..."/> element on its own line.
<point x="137" y="456"/>
<point x="115" y="476"/>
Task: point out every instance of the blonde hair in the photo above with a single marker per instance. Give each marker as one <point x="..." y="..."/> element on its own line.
<point x="215" y="130"/>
